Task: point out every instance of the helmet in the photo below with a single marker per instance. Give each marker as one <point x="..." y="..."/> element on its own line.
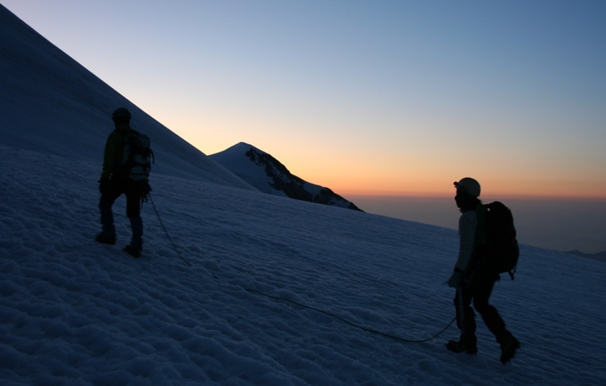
<point x="121" y="112"/>
<point x="468" y="185"/>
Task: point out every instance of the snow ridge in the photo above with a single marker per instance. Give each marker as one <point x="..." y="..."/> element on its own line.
<point x="49" y="101"/>
<point x="269" y="175"/>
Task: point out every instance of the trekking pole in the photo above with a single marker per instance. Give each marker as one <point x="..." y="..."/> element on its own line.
<point x="166" y="232"/>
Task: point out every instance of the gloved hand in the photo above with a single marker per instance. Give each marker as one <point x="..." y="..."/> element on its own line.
<point x="103" y="182"/>
<point x="455" y="279"/>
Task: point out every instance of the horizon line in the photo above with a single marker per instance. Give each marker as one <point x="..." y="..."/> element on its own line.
<point x="505" y="196"/>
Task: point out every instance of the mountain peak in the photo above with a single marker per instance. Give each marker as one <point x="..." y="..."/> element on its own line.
<point x="261" y="170"/>
<point x="242" y="146"/>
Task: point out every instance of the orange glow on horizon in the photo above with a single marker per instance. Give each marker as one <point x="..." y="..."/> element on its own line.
<point x="446" y="189"/>
<point x="349" y="170"/>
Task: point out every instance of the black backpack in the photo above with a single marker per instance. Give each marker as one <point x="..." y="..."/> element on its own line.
<point x="139" y="156"/>
<point x="499" y="251"/>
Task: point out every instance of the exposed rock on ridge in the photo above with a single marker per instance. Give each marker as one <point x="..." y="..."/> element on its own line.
<point x="269" y="175"/>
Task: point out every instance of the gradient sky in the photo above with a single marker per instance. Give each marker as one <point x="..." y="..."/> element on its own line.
<point x="366" y="97"/>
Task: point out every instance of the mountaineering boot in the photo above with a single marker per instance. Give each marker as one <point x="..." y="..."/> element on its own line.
<point x="458" y="346"/>
<point x="133" y="250"/>
<point x="136" y="225"/>
<point x="105" y="238"/>
<point x="509" y="346"/>
<point x="107" y="223"/>
<point x="136" y="243"/>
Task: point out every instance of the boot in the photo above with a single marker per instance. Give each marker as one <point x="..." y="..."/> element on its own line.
<point x="136" y="241"/>
<point x="509" y="346"/>
<point x="458" y="346"/>
<point x="108" y="234"/>
<point x="133" y="250"/>
<point x="105" y="238"/>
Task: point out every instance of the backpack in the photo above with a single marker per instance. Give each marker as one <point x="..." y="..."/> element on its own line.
<point x="139" y="156"/>
<point x="499" y="251"/>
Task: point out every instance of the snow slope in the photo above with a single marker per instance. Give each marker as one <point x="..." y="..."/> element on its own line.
<point x="236" y="287"/>
<point x="79" y="313"/>
<point x="269" y="175"/>
<point x="49" y="101"/>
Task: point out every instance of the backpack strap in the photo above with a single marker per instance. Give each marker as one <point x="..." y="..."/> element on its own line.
<point x="480" y="237"/>
<point x="125" y="164"/>
<point x="481" y="227"/>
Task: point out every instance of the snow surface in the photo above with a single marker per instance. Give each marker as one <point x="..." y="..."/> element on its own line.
<point x="268" y="175"/>
<point x="236" y="287"/>
<point x="76" y="312"/>
<point x="49" y="101"/>
<point x="235" y="159"/>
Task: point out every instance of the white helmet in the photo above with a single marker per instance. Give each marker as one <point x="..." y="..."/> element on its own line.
<point x="468" y="185"/>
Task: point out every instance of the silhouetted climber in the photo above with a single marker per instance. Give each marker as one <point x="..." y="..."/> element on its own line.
<point x="472" y="281"/>
<point x="122" y="175"/>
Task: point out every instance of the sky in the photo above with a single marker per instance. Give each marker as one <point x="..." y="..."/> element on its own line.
<point x="370" y="98"/>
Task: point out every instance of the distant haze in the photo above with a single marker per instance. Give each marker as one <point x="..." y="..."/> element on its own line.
<point x="557" y="224"/>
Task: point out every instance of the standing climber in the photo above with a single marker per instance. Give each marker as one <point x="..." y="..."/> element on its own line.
<point x="472" y="282"/>
<point x="115" y="180"/>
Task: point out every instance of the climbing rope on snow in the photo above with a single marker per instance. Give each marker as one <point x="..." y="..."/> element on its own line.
<point x="366" y="329"/>
<point x="166" y="232"/>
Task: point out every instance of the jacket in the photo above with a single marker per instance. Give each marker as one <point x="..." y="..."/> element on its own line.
<point x="114" y="156"/>
<point x="468" y="223"/>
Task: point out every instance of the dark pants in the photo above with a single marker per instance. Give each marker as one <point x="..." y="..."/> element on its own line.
<point x="133" y="192"/>
<point x="479" y="292"/>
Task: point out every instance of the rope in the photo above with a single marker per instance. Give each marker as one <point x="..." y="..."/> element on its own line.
<point x="366" y="329"/>
<point x="166" y="232"/>
<point x="369" y="330"/>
